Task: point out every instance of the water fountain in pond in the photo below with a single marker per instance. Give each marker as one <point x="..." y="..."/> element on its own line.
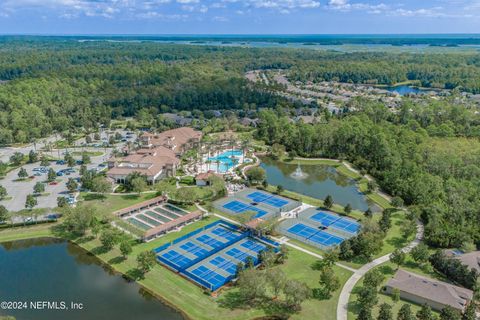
<point x="298" y="174"/>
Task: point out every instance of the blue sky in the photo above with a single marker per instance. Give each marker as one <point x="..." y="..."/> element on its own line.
<point x="238" y="16"/>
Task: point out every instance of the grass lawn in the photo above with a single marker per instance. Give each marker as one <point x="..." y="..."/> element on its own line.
<point x="196" y="304"/>
<point x="88" y="153"/>
<point x="110" y="203"/>
<point x="191" y="299"/>
<point x="388" y="269"/>
<point x="29" y="232"/>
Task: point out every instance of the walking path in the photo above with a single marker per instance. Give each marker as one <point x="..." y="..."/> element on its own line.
<point x="342" y="307"/>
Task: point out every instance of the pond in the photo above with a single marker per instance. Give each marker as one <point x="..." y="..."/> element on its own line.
<point x="319" y="181"/>
<point x="404" y="90"/>
<point x="54" y="271"/>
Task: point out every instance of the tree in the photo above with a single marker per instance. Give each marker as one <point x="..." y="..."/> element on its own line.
<point x="385" y="222"/>
<point x="371" y="186"/>
<point x="32" y="157"/>
<point x="30" y="202"/>
<point x="16" y="159"/>
<point x="267" y="258"/>
<point x="420" y="254"/>
<point x="134" y="177"/>
<point x="448" y="313"/>
<point x="251" y="284"/>
<point x="70" y="161"/>
<point x="22" y="174"/>
<point x="395" y="295"/>
<point x="328" y="202"/>
<point x="39" y="188"/>
<point x="365" y="314"/>
<point x="280" y="189"/>
<point x="146" y="261"/>
<point x="398" y="257"/>
<point x="329" y="282"/>
<point x="265" y="184"/>
<point x="3" y="213"/>
<point x="3" y="192"/>
<point x="368" y="213"/>
<point x="138" y="184"/>
<point x="82" y="170"/>
<point x="86" y="158"/>
<point x="62" y="202"/>
<point x="88" y="139"/>
<point x="367" y="297"/>
<point x="470" y="311"/>
<point x="249" y="262"/>
<point x="125" y="248"/>
<point x="397" y="202"/>
<point x="276" y="279"/>
<point x="108" y="238"/>
<point x="101" y="185"/>
<point x="425" y="313"/>
<point x="256" y="175"/>
<point x="96" y="136"/>
<point x="51" y="175"/>
<point x="347" y="209"/>
<point x="385" y="312"/>
<point x="296" y="292"/>
<point x="111" y="140"/>
<point x="405" y="313"/>
<point x="282" y="255"/>
<point x="72" y="185"/>
<point x="44" y="162"/>
<point x="373" y="278"/>
<point x="79" y="219"/>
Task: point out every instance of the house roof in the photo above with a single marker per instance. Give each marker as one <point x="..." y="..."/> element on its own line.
<point x="205" y="175"/>
<point x="146" y="161"/>
<point x="174" y="138"/>
<point x="471" y="259"/>
<point x="433" y="290"/>
<point x="172" y="224"/>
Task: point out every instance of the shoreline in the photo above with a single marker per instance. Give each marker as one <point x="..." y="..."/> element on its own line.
<point x="114" y="270"/>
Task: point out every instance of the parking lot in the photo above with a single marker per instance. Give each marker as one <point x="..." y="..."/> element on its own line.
<point x="18" y="190"/>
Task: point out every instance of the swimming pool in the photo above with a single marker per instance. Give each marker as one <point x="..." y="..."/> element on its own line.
<point x="227" y="160"/>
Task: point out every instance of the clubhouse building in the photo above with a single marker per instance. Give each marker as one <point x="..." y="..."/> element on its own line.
<point x="158" y="156"/>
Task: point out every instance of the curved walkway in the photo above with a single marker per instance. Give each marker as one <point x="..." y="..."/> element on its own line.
<point x="342" y="307"/>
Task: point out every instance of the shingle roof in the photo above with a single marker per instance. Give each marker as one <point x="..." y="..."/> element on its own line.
<point x="433" y="290"/>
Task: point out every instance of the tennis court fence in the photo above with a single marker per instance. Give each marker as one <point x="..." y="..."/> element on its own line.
<point x="288" y="223"/>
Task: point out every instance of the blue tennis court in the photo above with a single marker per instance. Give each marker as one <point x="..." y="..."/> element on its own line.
<point x="209" y="241"/>
<point x="210" y="276"/>
<point x="315" y="235"/>
<point x="224" y="264"/>
<point x="209" y="256"/>
<point x="330" y="220"/>
<point x="176" y="258"/>
<point x="240" y="207"/>
<point x="269" y="199"/>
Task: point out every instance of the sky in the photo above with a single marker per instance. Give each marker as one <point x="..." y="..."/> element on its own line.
<point x="239" y="16"/>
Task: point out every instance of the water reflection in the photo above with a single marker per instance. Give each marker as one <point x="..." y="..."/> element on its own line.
<point x="319" y="182"/>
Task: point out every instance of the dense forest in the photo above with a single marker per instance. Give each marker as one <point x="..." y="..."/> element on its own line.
<point x="428" y="153"/>
<point x="432" y="162"/>
<point x="54" y="84"/>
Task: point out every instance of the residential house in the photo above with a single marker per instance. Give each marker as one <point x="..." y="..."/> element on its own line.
<point x="422" y="290"/>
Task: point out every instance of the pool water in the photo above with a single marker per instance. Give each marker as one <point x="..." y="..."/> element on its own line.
<point x="227" y="160"/>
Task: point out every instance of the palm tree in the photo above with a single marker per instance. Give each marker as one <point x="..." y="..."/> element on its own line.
<point x="218" y="165"/>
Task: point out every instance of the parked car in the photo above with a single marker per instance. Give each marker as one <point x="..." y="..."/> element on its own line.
<point x="53" y="183"/>
<point x="60" y="162"/>
<point x="60" y="173"/>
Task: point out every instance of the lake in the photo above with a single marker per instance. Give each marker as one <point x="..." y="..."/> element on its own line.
<point x="320" y="182"/>
<point x="54" y="270"/>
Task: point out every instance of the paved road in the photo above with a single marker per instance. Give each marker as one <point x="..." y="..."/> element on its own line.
<point x="342" y="307"/>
